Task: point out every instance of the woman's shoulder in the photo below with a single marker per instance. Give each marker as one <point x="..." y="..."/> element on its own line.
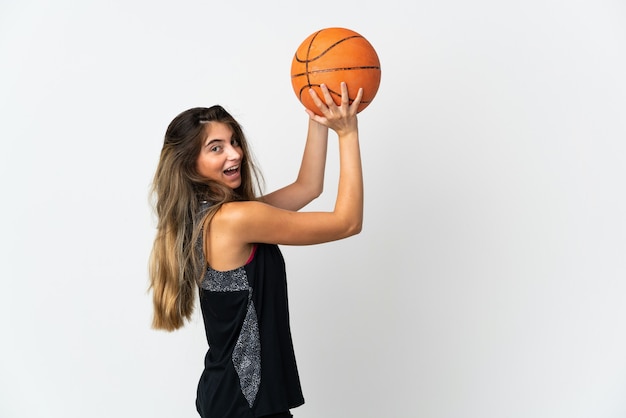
<point x="239" y="210"/>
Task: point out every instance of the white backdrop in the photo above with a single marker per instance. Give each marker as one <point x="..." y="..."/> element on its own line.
<point x="489" y="279"/>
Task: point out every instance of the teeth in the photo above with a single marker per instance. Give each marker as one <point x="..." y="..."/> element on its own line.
<point x="232" y="168"/>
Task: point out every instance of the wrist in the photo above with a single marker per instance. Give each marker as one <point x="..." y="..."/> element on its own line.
<point x="348" y="134"/>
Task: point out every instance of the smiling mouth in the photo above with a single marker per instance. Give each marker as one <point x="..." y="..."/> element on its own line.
<point x="232" y="170"/>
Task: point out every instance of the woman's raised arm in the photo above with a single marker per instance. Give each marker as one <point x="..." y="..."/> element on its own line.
<point x="250" y="222"/>
<point x="310" y="181"/>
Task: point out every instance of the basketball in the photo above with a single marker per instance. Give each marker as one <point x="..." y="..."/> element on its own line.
<point x="330" y="56"/>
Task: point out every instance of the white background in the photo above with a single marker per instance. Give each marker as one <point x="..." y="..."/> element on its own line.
<point x="489" y="279"/>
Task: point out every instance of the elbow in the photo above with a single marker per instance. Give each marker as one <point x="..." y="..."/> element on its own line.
<point x="313" y="194"/>
<point x="358" y="228"/>
<point x="350" y="224"/>
<point x="309" y="191"/>
<point x="354" y="228"/>
<point x="317" y="191"/>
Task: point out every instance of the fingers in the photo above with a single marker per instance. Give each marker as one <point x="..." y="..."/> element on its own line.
<point x="342" y="117"/>
<point x="345" y="97"/>
<point x="328" y="99"/>
<point x="357" y="100"/>
<point x="331" y="110"/>
<point x="327" y="108"/>
<point x="316" y="99"/>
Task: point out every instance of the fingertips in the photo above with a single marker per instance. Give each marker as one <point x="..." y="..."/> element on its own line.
<point x="345" y="96"/>
<point x="359" y="94"/>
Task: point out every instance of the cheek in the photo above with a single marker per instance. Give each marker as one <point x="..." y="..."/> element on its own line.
<point x="204" y="166"/>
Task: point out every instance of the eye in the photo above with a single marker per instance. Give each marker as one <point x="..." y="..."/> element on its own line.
<point x="216" y="148"/>
<point x="235" y="142"/>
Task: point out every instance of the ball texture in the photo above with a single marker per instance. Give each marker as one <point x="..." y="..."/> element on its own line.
<point x="330" y="56"/>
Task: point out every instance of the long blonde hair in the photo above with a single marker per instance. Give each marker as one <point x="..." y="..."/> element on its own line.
<point x="175" y="265"/>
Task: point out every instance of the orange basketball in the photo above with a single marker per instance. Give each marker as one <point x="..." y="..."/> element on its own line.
<point x="330" y="56"/>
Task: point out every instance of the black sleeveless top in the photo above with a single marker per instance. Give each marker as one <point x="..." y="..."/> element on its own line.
<point x="250" y="367"/>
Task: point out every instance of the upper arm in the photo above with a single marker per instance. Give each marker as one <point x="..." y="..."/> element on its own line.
<point x="252" y="222"/>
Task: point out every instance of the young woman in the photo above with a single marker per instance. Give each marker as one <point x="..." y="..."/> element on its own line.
<point x="215" y="235"/>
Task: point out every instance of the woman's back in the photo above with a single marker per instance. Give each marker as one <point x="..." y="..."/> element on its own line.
<point x="244" y="309"/>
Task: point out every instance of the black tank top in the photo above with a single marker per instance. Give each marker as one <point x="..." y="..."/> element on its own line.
<point x="250" y="367"/>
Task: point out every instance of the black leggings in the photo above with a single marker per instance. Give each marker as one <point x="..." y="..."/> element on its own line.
<point x="280" y="415"/>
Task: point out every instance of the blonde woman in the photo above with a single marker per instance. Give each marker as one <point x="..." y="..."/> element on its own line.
<point x="215" y="236"/>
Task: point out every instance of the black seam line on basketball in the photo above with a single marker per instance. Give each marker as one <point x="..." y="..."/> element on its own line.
<point x="308" y="51"/>
<point x="308" y="59"/>
<point x="331" y="70"/>
<point x="331" y="92"/>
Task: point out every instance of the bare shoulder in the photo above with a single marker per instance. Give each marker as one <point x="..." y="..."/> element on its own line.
<point x="239" y="219"/>
<point x="235" y="213"/>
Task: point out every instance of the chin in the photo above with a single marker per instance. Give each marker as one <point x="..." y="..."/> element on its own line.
<point x="235" y="186"/>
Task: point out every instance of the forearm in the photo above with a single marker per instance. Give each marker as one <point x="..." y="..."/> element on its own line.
<point x="310" y="181"/>
<point x="311" y="175"/>
<point x="349" y="204"/>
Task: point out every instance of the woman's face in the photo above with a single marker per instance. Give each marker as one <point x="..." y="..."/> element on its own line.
<point x="220" y="155"/>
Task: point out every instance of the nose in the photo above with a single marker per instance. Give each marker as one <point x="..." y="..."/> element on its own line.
<point x="232" y="153"/>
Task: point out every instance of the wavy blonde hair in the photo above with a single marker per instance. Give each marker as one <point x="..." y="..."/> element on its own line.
<point x="175" y="266"/>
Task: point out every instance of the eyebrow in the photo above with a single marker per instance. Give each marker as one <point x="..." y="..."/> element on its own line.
<point x="215" y="140"/>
